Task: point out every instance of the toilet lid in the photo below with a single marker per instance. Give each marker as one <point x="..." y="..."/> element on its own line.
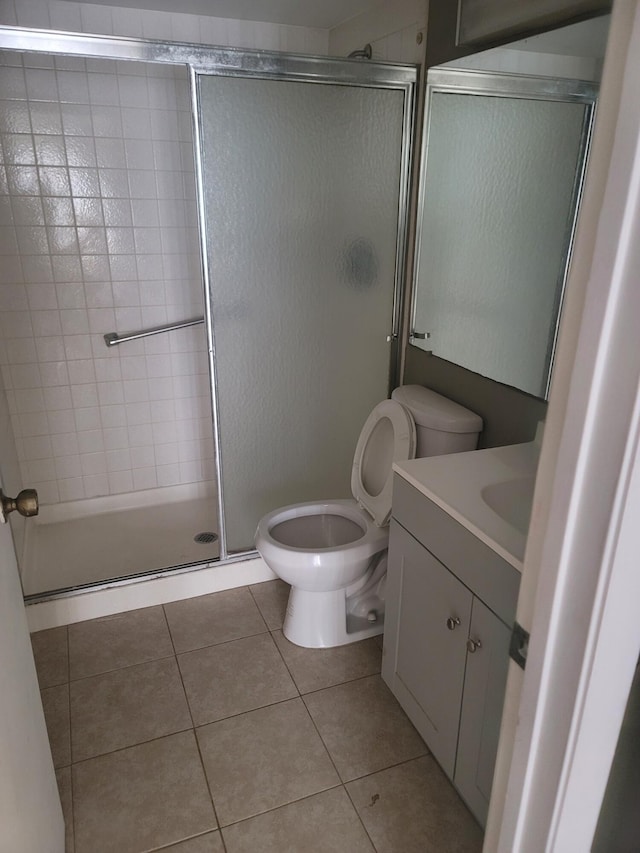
<point x="388" y="436"/>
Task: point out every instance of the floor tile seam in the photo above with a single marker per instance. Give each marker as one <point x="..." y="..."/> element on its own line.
<point x="222" y="643"/>
<point x="185" y="694"/>
<point x="281" y="806"/>
<point x="362" y="823"/>
<point x="322" y="741"/>
<point x="388" y="767"/>
<point x="166" y="622"/>
<point x="190" y="838"/>
<point x="257" y="604"/>
<point x="121" y="668"/>
<point x="73" y="808"/>
<point x="207" y="783"/>
<point x="131" y="746"/>
<point x="282" y="658"/>
<point x="248" y="711"/>
<point x="340" y="684"/>
<point x="68" y="648"/>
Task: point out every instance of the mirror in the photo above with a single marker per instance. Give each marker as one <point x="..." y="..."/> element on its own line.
<point x="503" y="163"/>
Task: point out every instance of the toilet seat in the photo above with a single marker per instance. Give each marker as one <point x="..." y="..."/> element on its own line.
<point x="388" y="436"/>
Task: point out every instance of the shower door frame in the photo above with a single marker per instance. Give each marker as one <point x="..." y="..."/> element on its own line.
<point x="204" y="60"/>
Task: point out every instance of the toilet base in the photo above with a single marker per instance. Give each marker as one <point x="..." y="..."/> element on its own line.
<point x="319" y="620"/>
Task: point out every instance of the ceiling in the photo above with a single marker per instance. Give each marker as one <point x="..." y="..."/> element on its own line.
<point x="303" y="13"/>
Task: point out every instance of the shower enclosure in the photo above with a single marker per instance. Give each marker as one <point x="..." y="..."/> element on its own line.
<point x="202" y="252"/>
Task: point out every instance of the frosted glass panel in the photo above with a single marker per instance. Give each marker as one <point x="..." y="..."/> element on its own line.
<point x="301" y="198"/>
<point x="498" y="205"/>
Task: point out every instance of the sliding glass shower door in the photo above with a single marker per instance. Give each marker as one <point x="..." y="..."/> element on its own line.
<point x="303" y="188"/>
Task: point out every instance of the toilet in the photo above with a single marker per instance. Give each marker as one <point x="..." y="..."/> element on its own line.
<point x="334" y="553"/>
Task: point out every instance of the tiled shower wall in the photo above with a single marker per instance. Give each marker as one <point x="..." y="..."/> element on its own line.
<point x="91" y="421"/>
<point x="98" y="233"/>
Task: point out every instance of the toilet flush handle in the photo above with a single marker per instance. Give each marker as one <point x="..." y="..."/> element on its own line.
<point x="26" y="503"/>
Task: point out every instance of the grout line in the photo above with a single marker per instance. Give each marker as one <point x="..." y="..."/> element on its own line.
<point x="286" y="665"/>
<point x="121" y="668"/>
<point x="282" y="806"/>
<point x="223" y="643"/>
<point x="206" y="780"/>
<point x="173" y="844"/>
<point x="362" y="823"/>
<point x="341" y="684"/>
<point x="131" y="746"/>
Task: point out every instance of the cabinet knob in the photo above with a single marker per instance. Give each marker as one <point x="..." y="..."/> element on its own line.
<point x="473" y="645"/>
<point x="452" y="623"/>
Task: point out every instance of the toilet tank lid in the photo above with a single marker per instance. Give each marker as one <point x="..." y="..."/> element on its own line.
<point x="432" y="410"/>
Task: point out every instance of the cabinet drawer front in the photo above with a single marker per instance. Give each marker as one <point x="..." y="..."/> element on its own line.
<point x="483" y="698"/>
<point x="430" y="656"/>
<point x="490" y="577"/>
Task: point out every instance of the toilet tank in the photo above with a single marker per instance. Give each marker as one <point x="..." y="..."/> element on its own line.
<point x="442" y="426"/>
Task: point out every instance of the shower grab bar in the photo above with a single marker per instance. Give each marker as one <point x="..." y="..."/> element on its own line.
<point x="113" y="338"/>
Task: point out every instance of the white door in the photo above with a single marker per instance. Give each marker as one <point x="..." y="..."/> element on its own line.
<point x="30" y="813"/>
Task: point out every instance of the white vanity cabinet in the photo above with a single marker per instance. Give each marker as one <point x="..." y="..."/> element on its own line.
<point x="450" y="605"/>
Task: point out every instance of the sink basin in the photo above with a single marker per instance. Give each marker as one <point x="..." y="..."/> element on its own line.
<point x="488" y="491"/>
<point x="511" y="500"/>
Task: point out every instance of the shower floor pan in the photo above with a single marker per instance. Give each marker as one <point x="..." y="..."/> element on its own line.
<point x="100" y="546"/>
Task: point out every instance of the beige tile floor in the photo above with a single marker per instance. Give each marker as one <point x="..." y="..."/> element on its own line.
<point x="198" y="728"/>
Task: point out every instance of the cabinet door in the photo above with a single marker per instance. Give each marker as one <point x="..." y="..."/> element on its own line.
<point x="429" y="659"/>
<point x="483" y="697"/>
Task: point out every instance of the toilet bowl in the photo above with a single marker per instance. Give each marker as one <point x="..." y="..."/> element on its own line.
<point x="333" y="553"/>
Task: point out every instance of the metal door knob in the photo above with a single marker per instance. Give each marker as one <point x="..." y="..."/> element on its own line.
<point x="473" y="645"/>
<point x="26" y="503"/>
<point x="452" y="623"/>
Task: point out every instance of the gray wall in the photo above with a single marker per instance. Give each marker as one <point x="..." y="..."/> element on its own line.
<point x="509" y="416"/>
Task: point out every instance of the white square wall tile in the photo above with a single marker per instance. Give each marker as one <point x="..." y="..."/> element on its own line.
<point x="64" y="444"/>
<point x="74" y="321"/>
<point x="40" y="470"/>
<point x="95" y="485"/>
<point x="145" y="478"/>
<point x="168" y="475"/>
<point x="96" y="19"/>
<point x="54" y="373"/>
<point x="118" y="460"/>
<point x="47" y="492"/>
<point x="93" y="463"/>
<point x="91" y="441"/>
<point x="81" y="371"/>
<point x="138" y="413"/>
<point x="116" y="438"/>
<point x="108" y="369"/>
<point x="120" y="481"/>
<point x="70" y="296"/>
<point x="113" y="416"/>
<point x="61" y="422"/>
<point x="110" y="393"/>
<point x="71" y="489"/>
<point x="84" y="396"/>
<point x="140" y="435"/>
<point x="56" y="399"/>
<point x="143" y="457"/>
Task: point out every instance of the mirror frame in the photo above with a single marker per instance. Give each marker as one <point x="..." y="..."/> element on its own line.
<point x="461" y="81"/>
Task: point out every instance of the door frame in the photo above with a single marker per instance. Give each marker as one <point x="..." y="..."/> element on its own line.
<point x="580" y="583"/>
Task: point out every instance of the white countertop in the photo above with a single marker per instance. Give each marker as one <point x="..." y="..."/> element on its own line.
<point x="455" y="483"/>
